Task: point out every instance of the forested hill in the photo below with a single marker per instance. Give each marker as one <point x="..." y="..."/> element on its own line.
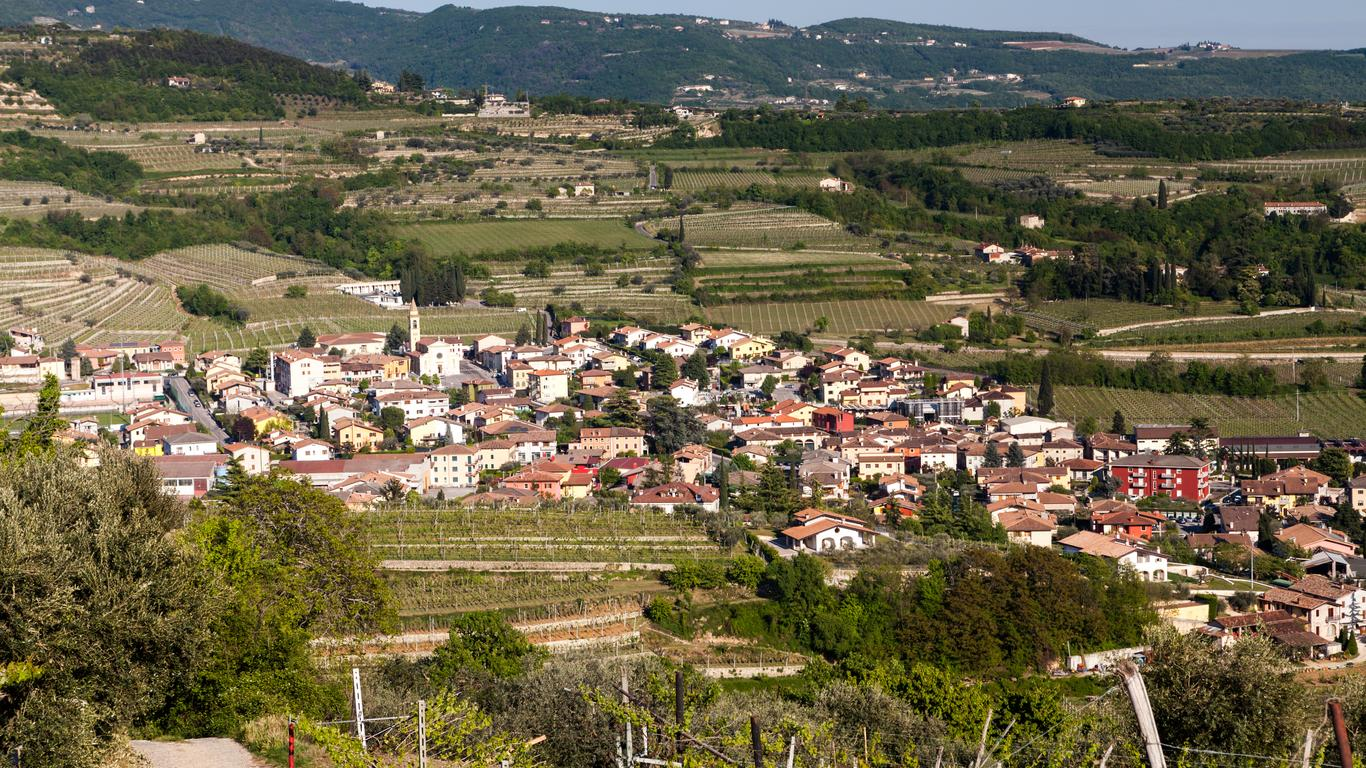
<point x="546" y="49"/>
<point x="216" y="78"/>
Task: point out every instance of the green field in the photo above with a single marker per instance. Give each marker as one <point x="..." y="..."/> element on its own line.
<point x="1339" y="413"/>
<point x="446" y="238"/>
<point x="846" y="317"/>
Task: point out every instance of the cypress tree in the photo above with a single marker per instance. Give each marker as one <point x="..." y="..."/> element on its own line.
<point x="1045" y="404"/>
<point x="1162" y="194"/>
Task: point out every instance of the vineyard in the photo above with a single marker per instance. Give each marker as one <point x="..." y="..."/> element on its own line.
<point x="1126" y="187"/>
<point x="1286" y="326"/>
<point x="639" y="289"/>
<point x="845" y="317"/>
<point x="766" y="228"/>
<point x="445" y="238"/>
<point x="1079" y="316"/>
<point x="81" y="297"/>
<point x="1338" y="413"/>
<point x="35" y="198"/>
<point x="547" y="534"/>
<point x="427" y="600"/>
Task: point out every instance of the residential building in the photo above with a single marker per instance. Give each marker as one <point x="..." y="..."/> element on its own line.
<point x="817" y="531"/>
<point x="1149" y="565"/>
<point x="1150" y="474"/>
<point x="612" y="441"/>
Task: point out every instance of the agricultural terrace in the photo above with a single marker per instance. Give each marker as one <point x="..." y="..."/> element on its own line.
<point x="20" y="199"/>
<point x="846" y="318"/>
<point x="766" y="227"/>
<point x="639" y="289"/>
<point x="1338" y="413"/>
<point x="548" y="166"/>
<point x="85" y="298"/>
<point x="1058" y="159"/>
<point x="1278" y="326"/>
<point x="745" y="276"/>
<point x="551" y="533"/>
<point x="258" y="280"/>
<point x="179" y="158"/>
<point x="449" y="238"/>
<point x="741" y="178"/>
<point x="1346" y="167"/>
<point x="427" y="600"/>
<point x="1081" y="315"/>
<point x="1126" y="187"/>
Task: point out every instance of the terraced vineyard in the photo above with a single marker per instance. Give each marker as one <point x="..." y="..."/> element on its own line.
<point x="178" y="158"/>
<point x="649" y="298"/>
<point x="1127" y="187"/>
<point x="428" y="600"/>
<point x="1287" y="326"/>
<point x="768" y="227"/>
<point x="547" y="166"/>
<point x="81" y="297"/>
<point x="1080" y="315"/>
<point x="444" y="238"/>
<point x="21" y="199"/>
<point x="1339" y="413"/>
<point x="846" y="317"/>
<point x="550" y="533"/>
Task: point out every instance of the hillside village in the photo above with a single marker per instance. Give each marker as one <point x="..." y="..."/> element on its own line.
<point x="683" y="420"/>
<point x="429" y="407"/>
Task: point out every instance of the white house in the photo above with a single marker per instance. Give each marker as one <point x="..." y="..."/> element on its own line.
<point x="312" y="450"/>
<point x="685" y="392"/>
<point x="833" y="184"/>
<point x="189" y="444"/>
<point x="818" y="531"/>
<point x="1148" y="564"/>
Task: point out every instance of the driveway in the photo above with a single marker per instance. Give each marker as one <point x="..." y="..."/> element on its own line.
<point x="196" y="753"/>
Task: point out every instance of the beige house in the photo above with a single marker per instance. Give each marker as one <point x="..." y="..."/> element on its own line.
<point x="612" y="441"/>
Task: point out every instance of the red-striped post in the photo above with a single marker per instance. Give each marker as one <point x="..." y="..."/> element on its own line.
<point x="291" y="742"/>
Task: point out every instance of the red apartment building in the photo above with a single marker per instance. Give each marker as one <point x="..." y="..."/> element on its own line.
<point x="1149" y="474"/>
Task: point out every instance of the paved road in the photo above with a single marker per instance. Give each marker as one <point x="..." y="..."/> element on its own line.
<point x="197" y="753"/>
<point x="185" y="398"/>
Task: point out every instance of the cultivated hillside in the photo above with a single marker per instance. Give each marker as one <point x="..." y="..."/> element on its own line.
<point x="545" y="49"/>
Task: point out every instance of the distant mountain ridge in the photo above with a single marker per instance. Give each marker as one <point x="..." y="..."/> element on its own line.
<point x="893" y="64"/>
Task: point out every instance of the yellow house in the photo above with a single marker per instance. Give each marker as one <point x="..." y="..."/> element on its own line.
<point x="266" y="419"/>
<point x="519" y="375"/>
<point x="750" y="348"/>
<point x="612" y="361"/>
<point x="356" y="434"/>
<point x="147" y="448"/>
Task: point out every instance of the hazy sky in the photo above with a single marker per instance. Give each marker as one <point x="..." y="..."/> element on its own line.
<point x="1245" y="23"/>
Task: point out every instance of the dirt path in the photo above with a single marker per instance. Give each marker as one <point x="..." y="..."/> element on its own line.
<point x="196" y="753"/>
<point x="1208" y="319"/>
<point x="1252" y="355"/>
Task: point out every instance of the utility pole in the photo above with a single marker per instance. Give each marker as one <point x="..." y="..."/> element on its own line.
<point x="1143" y="710"/>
